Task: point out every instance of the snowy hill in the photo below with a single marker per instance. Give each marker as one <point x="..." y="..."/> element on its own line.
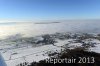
<point x="28" y="42"/>
<point x="29" y="49"/>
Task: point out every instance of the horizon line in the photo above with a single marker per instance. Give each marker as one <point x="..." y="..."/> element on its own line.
<point x="54" y="20"/>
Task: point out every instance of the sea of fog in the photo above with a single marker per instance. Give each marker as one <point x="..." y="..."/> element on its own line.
<point x="33" y="29"/>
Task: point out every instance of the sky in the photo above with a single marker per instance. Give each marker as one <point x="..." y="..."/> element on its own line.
<point x="34" y="10"/>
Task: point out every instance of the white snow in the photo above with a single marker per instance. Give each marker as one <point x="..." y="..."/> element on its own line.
<point x="29" y="54"/>
<point x="95" y="49"/>
<point x="62" y="42"/>
<point x="14" y="56"/>
<point x="97" y="46"/>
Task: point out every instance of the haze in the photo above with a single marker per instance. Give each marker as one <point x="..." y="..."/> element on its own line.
<point x="33" y="29"/>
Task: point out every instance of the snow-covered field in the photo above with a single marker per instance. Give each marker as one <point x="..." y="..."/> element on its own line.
<point x="28" y="46"/>
<point x="14" y="55"/>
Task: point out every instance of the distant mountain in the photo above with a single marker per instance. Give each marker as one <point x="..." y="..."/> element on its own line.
<point x="46" y="22"/>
